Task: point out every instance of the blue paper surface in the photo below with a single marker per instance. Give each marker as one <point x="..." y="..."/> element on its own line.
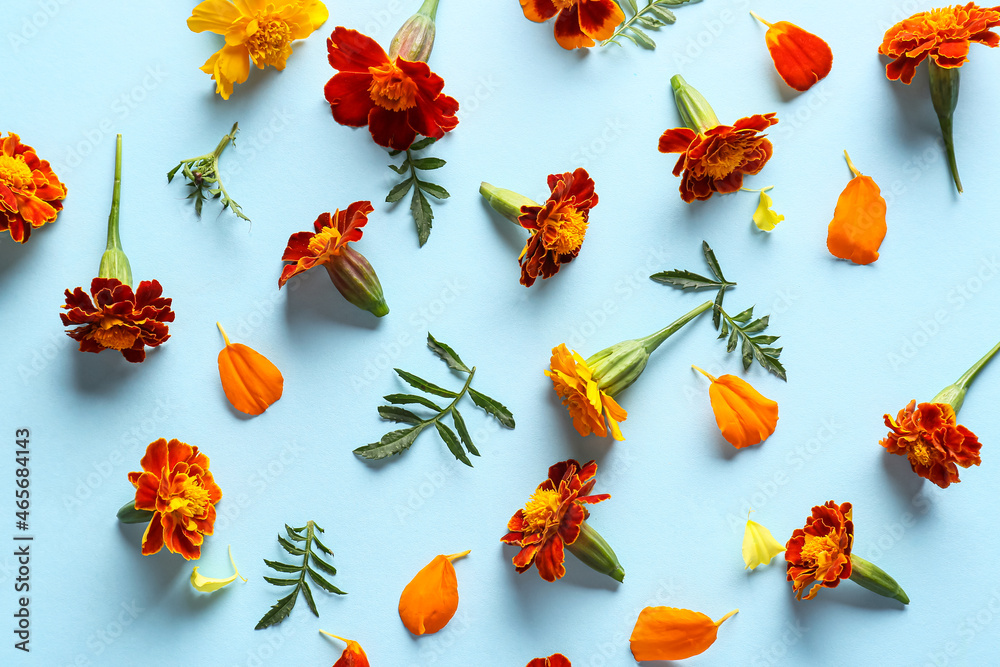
<point x="859" y="341"/>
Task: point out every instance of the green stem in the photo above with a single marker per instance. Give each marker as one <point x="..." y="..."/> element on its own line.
<point x="114" y="240"/>
<point x="944" y="95"/>
<point x="628" y="24"/>
<point x="451" y="407"/>
<point x="651" y="342"/>
<point x="429" y="9"/>
<point x="308" y="549"/>
<point x="954" y="394"/>
<point x="870" y="576"/>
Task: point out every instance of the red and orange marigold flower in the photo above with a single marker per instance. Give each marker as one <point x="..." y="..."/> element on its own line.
<point x="554" y="660"/>
<point x="177" y="486"/>
<point x="113" y="317"/>
<point x="820" y="553"/>
<point x="558" y="226"/>
<point x="928" y="435"/>
<point x="944" y="35"/>
<point x="553" y="518"/>
<point x="30" y="192"/>
<point x="592" y="410"/>
<point x="397" y="99"/>
<point x="578" y="22"/>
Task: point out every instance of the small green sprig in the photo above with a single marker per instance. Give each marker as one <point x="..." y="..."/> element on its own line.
<point x="307" y="538"/>
<point x="653" y="16"/>
<point x="741" y="329"/>
<point x="396" y="442"/>
<point x="202" y="173"/>
<point x="420" y="207"/>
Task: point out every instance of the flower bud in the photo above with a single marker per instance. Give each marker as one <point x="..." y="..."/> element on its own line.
<point x="415" y="39"/>
<point x="617" y="367"/>
<point x="114" y="264"/>
<point x="596" y="553"/>
<point x="696" y="113"/>
<point x="505" y="202"/>
<point x="874" y="578"/>
<point x="354" y="277"/>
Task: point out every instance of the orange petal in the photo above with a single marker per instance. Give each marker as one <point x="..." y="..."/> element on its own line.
<point x="858" y="225"/>
<point x="801" y="58"/>
<point x="251" y="382"/>
<point x="744" y="416"/>
<point x="666" y="633"/>
<point x="430" y="600"/>
<point x="353" y="655"/>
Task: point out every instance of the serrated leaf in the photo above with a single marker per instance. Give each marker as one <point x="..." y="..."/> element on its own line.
<point x="424" y="385"/>
<point x="649" y="22"/>
<point x="391" y="444"/>
<point x="463" y="432"/>
<point x="744" y="317"/>
<point x="407" y="399"/>
<point x="493" y="407"/>
<point x="713" y="263"/>
<point x="423" y="217"/>
<point x="765" y="340"/>
<point x="733" y="340"/>
<point x="399" y="415"/>
<point x="746" y="352"/>
<point x="281" y="582"/>
<point x="292" y="533"/>
<point x="282" y="567"/>
<point x="634" y="7"/>
<point x="428" y="163"/>
<point x="451" y="440"/>
<point x="289" y="547"/>
<point x="322" y="547"/>
<point x="757" y="325"/>
<point x="308" y="595"/>
<point x="446" y="354"/>
<point x="717" y="307"/>
<point x="665" y="15"/>
<point x="434" y="190"/>
<point x="641" y="38"/>
<point x="685" y="280"/>
<point x="323" y="565"/>
<point x="279" y="612"/>
<point x="323" y="583"/>
<point x="401" y="169"/>
<point x="422" y="144"/>
<point x="171" y="173"/>
<point x="399" y="191"/>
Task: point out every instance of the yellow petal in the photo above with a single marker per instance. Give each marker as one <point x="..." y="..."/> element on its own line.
<point x="759" y="546"/>
<point x="213" y="15"/>
<point x="766" y="219"/>
<point x="210" y="584"/>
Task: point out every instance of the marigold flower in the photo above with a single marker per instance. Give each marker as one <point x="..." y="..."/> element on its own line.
<point x="116" y="318"/>
<point x="801" y="58"/>
<point x="714" y="158"/>
<point x="858" y="226"/>
<point x="592" y="410"/>
<point x="251" y="382"/>
<point x="579" y="22"/>
<point x="744" y="416"/>
<point x="667" y="633"/>
<point x="820" y="553"/>
<point x="759" y="545"/>
<point x="257" y="31"/>
<point x="934" y="443"/>
<point x="30" y="193"/>
<point x="555" y="519"/>
<point x="177" y="486"/>
<point x="353" y="655"/>
<point x="554" y="660"/>
<point x="397" y="99"/>
<point x="943" y="34"/>
<point x="430" y="600"/>
<point x="351" y="273"/>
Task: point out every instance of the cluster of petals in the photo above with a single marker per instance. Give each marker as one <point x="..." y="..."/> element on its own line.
<point x="592" y="410"/>
<point x="820" y="553"/>
<point x="30" y="193"/>
<point x="929" y="436"/>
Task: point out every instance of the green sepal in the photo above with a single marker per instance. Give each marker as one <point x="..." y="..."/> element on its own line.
<point x="129" y="514"/>
<point x="874" y="578"/>
<point x="594" y="551"/>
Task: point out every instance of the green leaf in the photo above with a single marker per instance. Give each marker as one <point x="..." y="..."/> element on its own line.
<point x="713" y="263"/>
<point x="397" y="414"/>
<point x="322" y="547"/>
<point x="684" y="280"/>
<point x="493" y="407"/>
<point x="463" y="432"/>
<point x="649" y="22"/>
<point x="407" y="399"/>
<point x="422" y="144"/>
<point x="391" y="444"/>
<point x="323" y="583"/>
<point x="420" y="208"/>
<point x="752" y="347"/>
<point x="294" y="534"/>
<point x="744" y="317"/>
<point x="399" y="191"/>
<point x="289" y="547"/>
<point x="433" y="189"/>
<point x="641" y="38"/>
<point x="282" y="567"/>
<point x="665" y="15"/>
<point x="129" y="514"/>
<point x="171" y="173"/>
<point x="308" y="595"/>
<point x="278" y="612"/>
<point x="451" y="440"/>
<point x="446" y="354"/>
<point x="323" y="565"/>
<point x="401" y="169"/>
<point x="424" y="385"/>
<point x="428" y="163"/>
<point x="282" y="582"/>
<point x="717" y="307"/>
<point x="757" y="325"/>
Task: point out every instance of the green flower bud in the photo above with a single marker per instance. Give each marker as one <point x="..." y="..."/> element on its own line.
<point x="129" y="514"/>
<point x="114" y="263"/>
<point x="954" y="394"/>
<point x="505" y="202"/>
<point x="596" y="553"/>
<point x="696" y="113"/>
<point x="874" y="578"/>
<point x="354" y="277"/>
<point x="415" y="40"/>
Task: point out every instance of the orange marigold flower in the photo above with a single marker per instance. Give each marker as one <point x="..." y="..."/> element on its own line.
<point x="553" y="518"/>
<point x="943" y="34"/>
<point x="579" y="22"/>
<point x="717" y="160"/>
<point x="558" y="226"/>
<point x="934" y="443"/>
<point x="257" y="31"/>
<point x="820" y="553"/>
<point x="590" y="407"/>
<point x="397" y="99"/>
<point x="177" y="486"/>
<point x="118" y="318"/>
<point x="30" y="193"/>
<point x="554" y="660"/>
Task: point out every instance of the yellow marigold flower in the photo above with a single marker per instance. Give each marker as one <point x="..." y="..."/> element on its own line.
<point x="260" y="31"/>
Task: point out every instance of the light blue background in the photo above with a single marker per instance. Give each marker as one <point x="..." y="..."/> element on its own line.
<point x="859" y="341"/>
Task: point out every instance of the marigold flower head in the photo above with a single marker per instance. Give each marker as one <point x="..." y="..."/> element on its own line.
<point x="113" y="317"/>
<point x="397" y="99"/>
<point x="928" y="435"/>
<point x="820" y="553"/>
<point x="30" y="193"/>
<point x="553" y="518"/>
<point x="592" y="410"/>
<point x="177" y="486"/>
<point x="578" y="22"/>
<point x="554" y="660"/>
<point x="256" y="31"/>
<point x="943" y="34"/>
<point x="558" y="226"/>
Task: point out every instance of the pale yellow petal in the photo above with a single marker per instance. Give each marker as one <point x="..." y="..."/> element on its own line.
<point x="766" y="219"/>
<point x="759" y="546"/>
<point x="209" y="584"/>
